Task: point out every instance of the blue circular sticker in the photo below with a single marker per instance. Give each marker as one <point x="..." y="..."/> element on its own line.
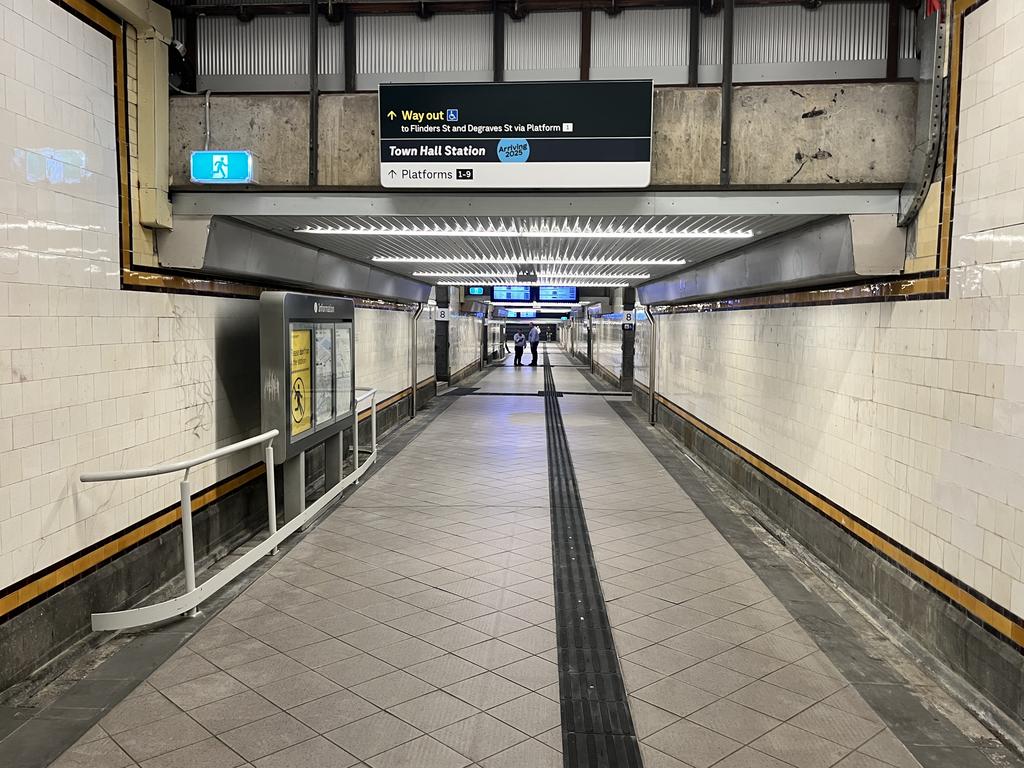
<point x="513" y="150"/>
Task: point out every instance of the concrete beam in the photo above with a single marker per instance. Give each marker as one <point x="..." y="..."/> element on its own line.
<point x="854" y="134"/>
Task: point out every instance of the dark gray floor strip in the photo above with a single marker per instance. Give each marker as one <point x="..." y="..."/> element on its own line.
<point x="597" y="728"/>
<point x="857" y="649"/>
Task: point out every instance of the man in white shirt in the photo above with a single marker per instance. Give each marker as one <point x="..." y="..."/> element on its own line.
<point x="520" y="343"/>
<point x="534" y="338"/>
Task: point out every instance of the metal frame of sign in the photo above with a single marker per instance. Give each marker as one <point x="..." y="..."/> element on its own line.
<point x="281" y="314"/>
<point x="516" y="135"/>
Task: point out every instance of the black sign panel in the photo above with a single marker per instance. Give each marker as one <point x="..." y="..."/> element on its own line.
<point x="516" y="135"/>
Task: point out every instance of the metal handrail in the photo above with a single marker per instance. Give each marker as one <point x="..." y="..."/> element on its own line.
<point x="194" y="595"/>
<point x="131" y="474"/>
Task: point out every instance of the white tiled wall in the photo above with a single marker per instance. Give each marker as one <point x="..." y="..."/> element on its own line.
<point x="382" y="350"/>
<point x="93" y="377"/>
<point x="463" y="341"/>
<point x="642" y="349"/>
<point x="608" y="342"/>
<point x="910" y="415"/>
<point x="425" y="332"/>
<point x="90" y="376"/>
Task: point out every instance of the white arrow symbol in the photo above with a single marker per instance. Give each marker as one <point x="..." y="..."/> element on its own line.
<point x="391" y="115"/>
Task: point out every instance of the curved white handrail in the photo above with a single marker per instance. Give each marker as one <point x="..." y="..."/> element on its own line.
<point x="194" y="595"/>
<point x="131" y="474"/>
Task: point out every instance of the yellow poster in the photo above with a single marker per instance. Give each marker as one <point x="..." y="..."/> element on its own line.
<point x="299" y="394"/>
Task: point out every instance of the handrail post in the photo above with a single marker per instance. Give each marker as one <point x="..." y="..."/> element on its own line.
<point x="373" y="421"/>
<point x="355" y="441"/>
<point x="271" y="493"/>
<point x="188" y="552"/>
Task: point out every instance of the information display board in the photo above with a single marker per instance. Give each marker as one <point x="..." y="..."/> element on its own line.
<point x="530" y="135"/>
<point x="306" y="368"/>
<point x="557" y="293"/>
<point x="511" y="293"/>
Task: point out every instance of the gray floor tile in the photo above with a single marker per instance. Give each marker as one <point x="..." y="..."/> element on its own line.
<point x="492" y="654"/>
<point x="232" y="712"/>
<point x="267" y="670"/>
<point x="266" y="736"/>
<point x="162" y="736"/>
<point x="532" y="714"/>
<point x="419" y="753"/>
<point x="433" y="710"/>
<point x="182" y="666"/>
<point x="420" y="622"/>
<point x="333" y="711"/>
<point x="296" y="690"/>
<point x="751" y="758"/>
<point x="445" y="670"/>
<point x="662" y="659"/>
<point x="734" y="720"/>
<point x="806" y="683"/>
<point x="648" y="719"/>
<point x="713" y="678"/>
<point x="889" y="750"/>
<point x="392" y="688"/>
<point x="800" y="748"/>
<point x="675" y="696"/>
<point x="699" y="746"/>
<point x="769" y="699"/>
<point x="102" y="752"/>
<point x="235" y="654"/>
<point x="486" y="690"/>
<point x="455" y="637"/>
<point x="836" y="725"/>
<point x="373" y="735"/>
<point x="210" y="753"/>
<point x="138" y="710"/>
<point x="323" y="653"/>
<point x="355" y="670"/>
<point x="479" y="737"/>
<point x="314" y="753"/>
<point x="532" y="753"/>
<point x="407" y="652"/>
<point x="532" y="672"/>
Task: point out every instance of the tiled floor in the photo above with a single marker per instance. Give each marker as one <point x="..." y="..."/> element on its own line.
<point x="414" y="627"/>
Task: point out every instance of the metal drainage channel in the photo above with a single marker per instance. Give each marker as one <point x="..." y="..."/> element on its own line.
<point x="597" y="728"/>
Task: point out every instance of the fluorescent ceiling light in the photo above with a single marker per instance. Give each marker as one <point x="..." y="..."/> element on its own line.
<point x="542" y="279"/>
<point x="503" y="260"/>
<point x="582" y="234"/>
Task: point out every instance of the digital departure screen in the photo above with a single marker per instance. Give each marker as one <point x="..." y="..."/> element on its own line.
<point x="558" y="293"/>
<point x="523" y="313"/>
<point x="511" y="293"/>
<point x="476" y="290"/>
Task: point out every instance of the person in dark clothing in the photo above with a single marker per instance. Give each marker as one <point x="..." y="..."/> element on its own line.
<point x="520" y="341"/>
<point x="534" y="342"/>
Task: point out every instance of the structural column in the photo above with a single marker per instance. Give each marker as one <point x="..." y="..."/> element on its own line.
<point x="442" y="370"/>
<point x="628" y="338"/>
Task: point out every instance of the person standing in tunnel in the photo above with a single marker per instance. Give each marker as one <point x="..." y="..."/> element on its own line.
<point x="520" y="343"/>
<point x="534" y="342"/>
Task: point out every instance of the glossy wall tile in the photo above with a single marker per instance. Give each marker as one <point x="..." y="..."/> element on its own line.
<point x="908" y="414"/>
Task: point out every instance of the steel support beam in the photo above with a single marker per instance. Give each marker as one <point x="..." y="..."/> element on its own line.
<point x="693" y="76"/>
<point x="314" y="93"/>
<point x="728" y="36"/>
<point x="812" y="202"/>
<point x="585" y="35"/>
<point x="498" y="43"/>
<point x="349" y="32"/>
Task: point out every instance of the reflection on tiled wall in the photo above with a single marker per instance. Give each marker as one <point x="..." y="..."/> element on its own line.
<point x="463" y="341"/>
<point x="910" y="415"/>
<point x="382" y="350"/>
<point x="425" y="332"/>
<point x="642" y="349"/>
<point x="91" y="377"/>
<point x="608" y="343"/>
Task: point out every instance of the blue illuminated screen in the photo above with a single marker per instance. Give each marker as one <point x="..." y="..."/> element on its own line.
<point x="558" y="293"/>
<point x="523" y="313"/>
<point x="476" y="290"/>
<point x="511" y="293"/>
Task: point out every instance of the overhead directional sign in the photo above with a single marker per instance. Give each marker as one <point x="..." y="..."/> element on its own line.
<point x="588" y="134"/>
<point x="222" y="166"/>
